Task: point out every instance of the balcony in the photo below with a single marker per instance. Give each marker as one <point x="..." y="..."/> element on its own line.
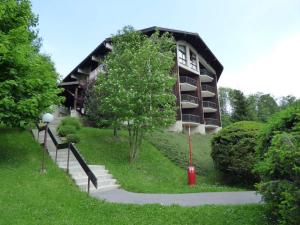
<point x="209" y="107"/>
<point x="211" y="123"/>
<point x="187" y="83"/>
<point x="189" y="101"/>
<point x="205" y="76"/>
<point x="208" y="91"/>
<point x="190" y="119"/>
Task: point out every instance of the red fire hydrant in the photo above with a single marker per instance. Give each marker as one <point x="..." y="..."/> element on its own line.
<point x="191" y="176"/>
<point x="191" y="169"/>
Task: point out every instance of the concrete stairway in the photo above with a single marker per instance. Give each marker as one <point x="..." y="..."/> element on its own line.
<point x="104" y="179"/>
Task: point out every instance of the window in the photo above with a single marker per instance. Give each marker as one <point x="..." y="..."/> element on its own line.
<point x="182" y="54"/>
<point x="193" y="60"/>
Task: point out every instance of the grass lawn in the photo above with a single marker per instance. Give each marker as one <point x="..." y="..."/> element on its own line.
<point x="26" y="197"/>
<point x="152" y="173"/>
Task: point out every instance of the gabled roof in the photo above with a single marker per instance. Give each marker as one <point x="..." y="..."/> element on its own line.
<point x="190" y="37"/>
<point x="195" y="40"/>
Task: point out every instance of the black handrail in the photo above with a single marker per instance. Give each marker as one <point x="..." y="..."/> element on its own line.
<point x="71" y="147"/>
<point x="85" y="167"/>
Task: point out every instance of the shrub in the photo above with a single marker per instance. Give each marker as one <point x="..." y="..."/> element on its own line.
<point x="279" y="168"/>
<point x="71" y="121"/>
<point x="233" y="151"/>
<point x="74" y="138"/>
<point x="65" y="130"/>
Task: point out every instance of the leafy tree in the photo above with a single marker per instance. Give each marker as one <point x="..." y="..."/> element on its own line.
<point x="240" y="106"/>
<point x="137" y="88"/>
<point x="266" y="107"/>
<point x="27" y="78"/>
<point x="225" y="105"/>
<point x="279" y="166"/>
<point x="286" y="101"/>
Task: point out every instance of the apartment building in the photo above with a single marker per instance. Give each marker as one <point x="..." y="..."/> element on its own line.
<point x="197" y="71"/>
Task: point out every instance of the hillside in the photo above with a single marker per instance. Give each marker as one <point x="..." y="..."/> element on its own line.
<point x="152" y="173"/>
<point x="27" y="197"/>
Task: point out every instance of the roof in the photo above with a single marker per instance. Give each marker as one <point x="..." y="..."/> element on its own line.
<point x="190" y="37"/>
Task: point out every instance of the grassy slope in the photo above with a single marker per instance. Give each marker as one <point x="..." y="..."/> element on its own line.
<point x="26" y="197"/>
<point x="152" y="173"/>
<point x="175" y="147"/>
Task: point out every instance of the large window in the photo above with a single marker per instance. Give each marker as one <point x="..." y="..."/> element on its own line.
<point x="182" y="54"/>
<point x="193" y="60"/>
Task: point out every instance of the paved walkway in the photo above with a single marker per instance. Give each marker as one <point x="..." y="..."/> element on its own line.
<point x="190" y="199"/>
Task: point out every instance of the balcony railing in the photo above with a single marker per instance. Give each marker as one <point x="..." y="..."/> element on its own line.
<point x="208" y="88"/>
<point x="189" y="98"/>
<point x="205" y="72"/>
<point x="209" y="104"/>
<point x="211" y="121"/>
<point x="185" y="79"/>
<point x="190" y="118"/>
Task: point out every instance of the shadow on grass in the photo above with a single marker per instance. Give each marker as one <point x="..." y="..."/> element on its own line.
<point x="14" y="146"/>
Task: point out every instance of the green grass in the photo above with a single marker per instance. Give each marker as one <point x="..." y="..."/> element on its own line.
<point x="151" y="173"/>
<point x="27" y="197"/>
<point x="175" y="147"/>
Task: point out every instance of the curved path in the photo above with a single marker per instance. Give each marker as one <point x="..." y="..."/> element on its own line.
<point x="190" y="199"/>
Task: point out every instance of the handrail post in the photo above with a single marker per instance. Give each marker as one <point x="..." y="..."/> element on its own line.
<point x="89" y="184"/>
<point x="68" y="158"/>
<point x="55" y="153"/>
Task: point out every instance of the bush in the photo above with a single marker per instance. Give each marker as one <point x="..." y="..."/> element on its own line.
<point x="65" y="130"/>
<point x="71" y="121"/>
<point x="233" y="151"/>
<point x="73" y="138"/>
<point x="279" y="168"/>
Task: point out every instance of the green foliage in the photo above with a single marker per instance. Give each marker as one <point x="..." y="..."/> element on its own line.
<point x="287" y="120"/>
<point x="233" y="151"/>
<point x="73" y="138"/>
<point x="27" y="78"/>
<point x="71" y="121"/>
<point x="137" y="88"/>
<point x="240" y="106"/>
<point x="279" y="168"/>
<point x="66" y="129"/>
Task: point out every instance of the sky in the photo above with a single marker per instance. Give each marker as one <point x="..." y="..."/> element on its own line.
<point x="257" y="41"/>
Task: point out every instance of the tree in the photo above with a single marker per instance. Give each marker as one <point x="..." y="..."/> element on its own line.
<point x="266" y="107"/>
<point x="137" y="86"/>
<point x="240" y="106"/>
<point x="27" y="77"/>
<point x="286" y="101"/>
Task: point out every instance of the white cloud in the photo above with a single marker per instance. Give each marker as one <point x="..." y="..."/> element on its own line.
<point x="276" y="72"/>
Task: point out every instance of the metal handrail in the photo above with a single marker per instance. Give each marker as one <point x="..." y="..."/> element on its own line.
<point x="190" y="118"/>
<point x="71" y="147"/>
<point x="185" y="79"/>
<point x="189" y="98"/>
<point x="211" y="121"/>
<point x="209" y="104"/>
<point x="206" y="87"/>
<point x="83" y="164"/>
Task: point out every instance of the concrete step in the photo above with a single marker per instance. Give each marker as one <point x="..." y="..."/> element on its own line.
<point x="100" y="183"/>
<point x="100" y="189"/>
<point x="82" y="179"/>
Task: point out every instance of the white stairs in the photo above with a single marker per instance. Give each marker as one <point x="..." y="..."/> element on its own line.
<point x="105" y="180"/>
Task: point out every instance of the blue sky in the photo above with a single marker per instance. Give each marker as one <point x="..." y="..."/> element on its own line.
<point x="257" y="41"/>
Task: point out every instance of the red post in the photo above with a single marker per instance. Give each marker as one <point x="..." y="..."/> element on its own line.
<point x="191" y="168"/>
